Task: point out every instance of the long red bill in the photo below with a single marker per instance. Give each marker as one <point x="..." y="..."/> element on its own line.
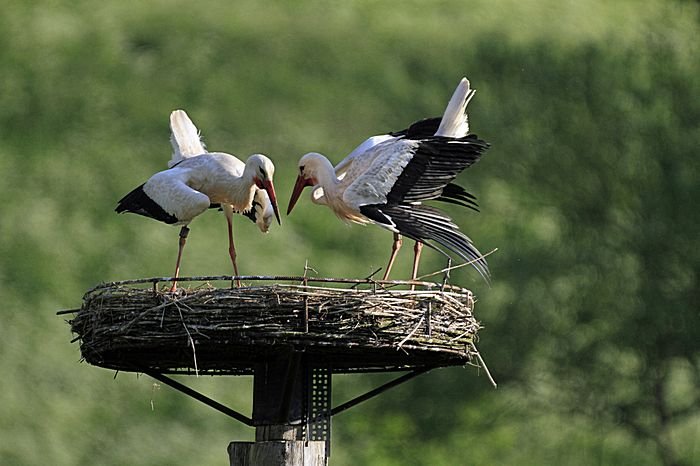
<point x="270" y="188"/>
<point x="298" y="188"/>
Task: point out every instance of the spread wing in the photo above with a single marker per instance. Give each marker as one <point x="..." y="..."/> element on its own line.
<point x="369" y="180"/>
<point x="435" y="163"/>
<point x="358" y="153"/>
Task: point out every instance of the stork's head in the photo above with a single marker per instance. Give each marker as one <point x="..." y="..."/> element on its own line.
<point x="263" y="170"/>
<point x="312" y="166"/>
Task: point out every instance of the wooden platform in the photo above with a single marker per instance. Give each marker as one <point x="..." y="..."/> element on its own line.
<point x="347" y="325"/>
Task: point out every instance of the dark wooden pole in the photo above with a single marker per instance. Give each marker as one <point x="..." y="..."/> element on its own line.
<point x="280" y="415"/>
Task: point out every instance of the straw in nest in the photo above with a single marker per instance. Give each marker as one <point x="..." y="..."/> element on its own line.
<point x="348" y="325"/>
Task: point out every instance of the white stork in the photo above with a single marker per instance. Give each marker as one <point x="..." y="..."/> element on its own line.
<point x="197" y="180"/>
<point x="386" y="179"/>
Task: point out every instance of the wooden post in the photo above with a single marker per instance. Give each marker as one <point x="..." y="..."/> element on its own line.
<point x="278" y="452"/>
<point x="280" y="414"/>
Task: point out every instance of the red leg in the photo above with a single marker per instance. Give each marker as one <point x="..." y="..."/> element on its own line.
<point x="417" y="249"/>
<point x="184" y="231"/>
<point x="232" y="249"/>
<point x="394" y="251"/>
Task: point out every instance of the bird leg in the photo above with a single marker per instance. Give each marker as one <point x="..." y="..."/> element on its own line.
<point x="232" y="249"/>
<point x="394" y="250"/>
<point x="417" y="249"/>
<point x="184" y="231"/>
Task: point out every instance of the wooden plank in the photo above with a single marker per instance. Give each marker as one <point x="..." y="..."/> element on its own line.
<point x="278" y="453"/>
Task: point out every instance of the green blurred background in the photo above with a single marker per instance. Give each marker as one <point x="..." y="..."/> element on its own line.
<point x="589" y="192"/>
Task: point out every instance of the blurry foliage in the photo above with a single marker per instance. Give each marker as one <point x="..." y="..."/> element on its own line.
<point x="589" y="192"/>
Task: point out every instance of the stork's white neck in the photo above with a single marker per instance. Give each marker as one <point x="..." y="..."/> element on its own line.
<point x="326" y="187"/>
<point x="225" y="180"/>
<point x="242" y="189"/>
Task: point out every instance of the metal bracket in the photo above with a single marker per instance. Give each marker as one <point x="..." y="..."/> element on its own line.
<point x="319" y="405"/>
<point x="381" y="389"/>
<point x="319" y="415"/>
<point x="199" y="397"/>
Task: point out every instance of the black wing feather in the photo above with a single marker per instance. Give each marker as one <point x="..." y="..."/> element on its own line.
<point x="455" y="194"/>
<point x="436" y="162"/>
<point x="252" y="213"/>
<point x="138" y="202"/>
<point x="429" y="175"/>
<point x="425" y="224"/>
<point x="421" y="129"/>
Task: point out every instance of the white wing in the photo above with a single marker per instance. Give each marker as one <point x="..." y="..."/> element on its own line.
<point x="455" y="123"/>
<point x="370" y="182"/>
<point x="358" y="152"/>
<point x="169" y="189"/>
<point x="318" y="196"/>
<point x="184" y="137"/>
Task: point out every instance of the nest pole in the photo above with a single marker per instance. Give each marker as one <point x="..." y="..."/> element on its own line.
<point x="282" y="409"/>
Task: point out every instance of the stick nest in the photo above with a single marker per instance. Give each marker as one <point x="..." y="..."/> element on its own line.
<point x="348" y="325"/>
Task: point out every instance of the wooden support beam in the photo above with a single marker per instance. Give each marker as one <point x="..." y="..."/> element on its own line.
<point x="280" y="414"/>
<point x="278" y="453"/>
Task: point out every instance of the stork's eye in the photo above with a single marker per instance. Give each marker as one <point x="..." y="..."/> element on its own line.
<point x="301" y="170"/>
<point x="262" y="172"/>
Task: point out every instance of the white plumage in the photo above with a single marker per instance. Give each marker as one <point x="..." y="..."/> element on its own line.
<point x="198" y="180"/>
<point x="454" y="124"/>
<point x="386" y="179"/>
<point x="455" y="121"/>
<point x="184" y="137"/>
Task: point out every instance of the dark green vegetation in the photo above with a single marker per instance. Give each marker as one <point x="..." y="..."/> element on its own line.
<point x="589" y="192"/>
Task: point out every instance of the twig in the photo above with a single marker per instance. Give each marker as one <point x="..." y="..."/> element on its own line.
<point x="191" y="340"/>
<point x="368" y="277"/>
<point x="454" y="267"/>
<point x="420" y="322"/>
<point x="482" y="363"/>
<point x="279" y="278"/>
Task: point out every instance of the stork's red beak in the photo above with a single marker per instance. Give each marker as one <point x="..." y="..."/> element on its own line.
<point x="270" y="188"/>
<point x="298" y="188"/>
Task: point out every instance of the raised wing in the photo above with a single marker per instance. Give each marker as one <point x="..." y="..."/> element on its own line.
<point x="357" y="153"/>
<point x="369" y="180"/>
<point x="435" y="163"/>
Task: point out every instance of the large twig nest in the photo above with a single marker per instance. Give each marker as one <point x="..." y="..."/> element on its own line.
<point x="362" y="326"/>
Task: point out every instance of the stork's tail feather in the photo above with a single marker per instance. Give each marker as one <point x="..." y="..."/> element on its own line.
<point x="455" y="123"/>
<point x="184" y="138"/>
<point x="425" y="224"/>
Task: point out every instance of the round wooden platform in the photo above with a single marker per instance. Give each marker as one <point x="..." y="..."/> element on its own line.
<point x="347" y="325"/>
